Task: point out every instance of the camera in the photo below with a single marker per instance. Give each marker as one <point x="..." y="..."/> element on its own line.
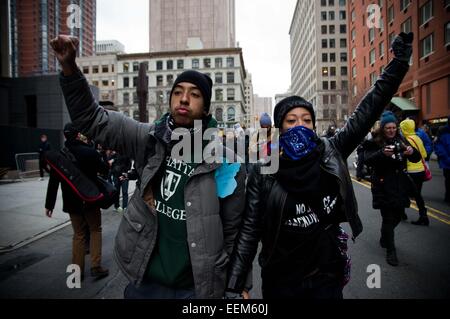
<point x="398" y="148"/>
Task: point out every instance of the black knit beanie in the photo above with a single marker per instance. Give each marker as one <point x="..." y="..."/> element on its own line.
<point x="289" y="103"/>
<point x="201" y="81"/>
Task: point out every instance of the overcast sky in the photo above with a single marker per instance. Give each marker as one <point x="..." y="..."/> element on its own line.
<point x="262" y="30"/>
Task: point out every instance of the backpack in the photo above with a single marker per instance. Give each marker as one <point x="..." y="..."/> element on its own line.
<point x="98" y="192"/>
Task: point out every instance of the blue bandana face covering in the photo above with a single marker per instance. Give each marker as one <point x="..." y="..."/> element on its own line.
<point x="298" y="142"/>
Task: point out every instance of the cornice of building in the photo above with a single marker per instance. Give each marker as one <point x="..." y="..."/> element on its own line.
<point x="182" y="53"/>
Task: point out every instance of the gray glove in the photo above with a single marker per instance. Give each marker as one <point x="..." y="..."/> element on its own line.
<point x="402" y="46"/>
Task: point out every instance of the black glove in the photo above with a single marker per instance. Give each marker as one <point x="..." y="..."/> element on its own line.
<point x="402" y="46"/>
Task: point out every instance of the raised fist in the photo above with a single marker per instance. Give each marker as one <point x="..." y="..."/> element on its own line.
<point x="65" y="48"/>
<point x="402" y="46"/>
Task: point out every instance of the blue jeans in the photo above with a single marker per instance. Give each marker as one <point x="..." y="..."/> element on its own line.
<point x="157" y="291"/>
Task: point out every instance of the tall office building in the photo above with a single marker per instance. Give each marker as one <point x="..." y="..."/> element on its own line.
<point x="34" y="23"/>
<point x="424" y="91"/>
<point x="318" y="37"/>
<point x="191" y="24"/>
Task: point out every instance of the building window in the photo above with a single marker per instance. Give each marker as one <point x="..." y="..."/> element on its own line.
<point x="391" y="37"/>
<point x="404" y="4"/>
<point x="323" y="16"/>
<point x="326" y="113"/>
<point x="381" y="46"/>
<point x="355" y="90"/>
<point x="373" y="78"/>
<point x="169" y="64"/>
<point x="219" y="79"/>
<point x="331" y="3"/>
<point x="324" y="85"/>
<point x="112" y="67"/>
<point x="230" y="94"/>
<point x="219" y="115"/>
<point x="126" y="67"/>
<point x="353" y="53"/>
<point x="333" y="85"/>
<point x="85" y="69"/>
<point x="391" y="14"/>
<point x="218" y="63"/>
<point x="333" y="57"/>
<point x="342" y="29"/>
<point x="195" y="63"/>
<point x="332" y="29"/>
<point x="207" y="63"/>
<point x="230" y="62"/>
<point x="159" y="80"/>
<point x="344" y="100"/>
<point x="105" y="69"/>
<point x="353" y="34"/>
<point x="230" y="77"/>
<point x="323" y="29"/>
<point x="219" y="95"/>
<point x="343" y="43"/>
<point x="323" y="3"/>
<point x="354" y="71"/>
<point x="343" y="56"/>
<point x="381" y="24"/>
<point x="325" y="71"/>
<point x="331" y="15"/>
<point x="326" y="99"/>
<point x="342" y="15"/>
<point x="95" y="69"/>
<point x="169" y="79"/>
<point x="342" y="3"/>
<point x="344" y="85"/>
<point x="180" y="64"/>
<point x="371" y="34"/>
<point x="231" y="114"/>
<point x="126" y="82"/>
<point x="447" y="34"/>
<point x="333" y="99"/>
<point x="135" y="81"/>
<point x="406" y="26"/>
<point x="324" y="57"/>
<point x="353" y="15"/>
<point x="372" y="56"/>
<point x="126" y="98"/>
<point x="333" y="71"/>
<point x="332" y="43"/>
<point x="344" y="70"/>
<point x="159" y="65"/>
<point x="324" y="43"/>
<point x="426" y="12"/>
<point x="426" y="46"/>
<point x="135" y="98"/>
<point x="105" y="82"/>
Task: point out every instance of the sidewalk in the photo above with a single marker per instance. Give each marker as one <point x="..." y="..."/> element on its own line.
<point x="22" y="213"/>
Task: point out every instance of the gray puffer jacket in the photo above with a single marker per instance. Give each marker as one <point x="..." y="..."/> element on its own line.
<point x="212" y="223"/>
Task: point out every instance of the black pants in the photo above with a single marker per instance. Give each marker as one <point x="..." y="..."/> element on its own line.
<point x="391" y="218"/>
<point x="447" y="184"/>
<point x="318" y="286"/>
<point x="42" y="167"/>
<point x="416" y="191"/>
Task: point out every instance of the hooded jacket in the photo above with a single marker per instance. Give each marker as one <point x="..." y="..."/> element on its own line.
<point x="408" y="131"/>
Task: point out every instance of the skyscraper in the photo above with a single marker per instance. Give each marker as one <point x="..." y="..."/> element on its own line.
<point x="191" y="24"/>
<point x="34" y="23"/>
<point x="319" y="59"/>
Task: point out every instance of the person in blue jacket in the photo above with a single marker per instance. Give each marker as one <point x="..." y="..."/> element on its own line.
<point x="442" y="149"/>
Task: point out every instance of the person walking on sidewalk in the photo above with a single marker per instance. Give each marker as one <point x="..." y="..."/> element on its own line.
<point x="442" y="150"/>
<point x="416" y="170"/>
<point x="85" y="218"/>
<point x="296" y="212"/>
<point x="176" y="236"/>
<point x="44" y="146"/>
<point x="387" y="154"/>
<point x="120" y="165"/>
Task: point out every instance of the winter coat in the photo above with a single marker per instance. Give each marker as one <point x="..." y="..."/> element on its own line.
<point x="426" y="141"/>
<point x="391" y="184"/>
<point x="442" y="148"/>
<point x="262" y="217"/>
<point x="212" y="223"/>
<point x="407" y="127"/>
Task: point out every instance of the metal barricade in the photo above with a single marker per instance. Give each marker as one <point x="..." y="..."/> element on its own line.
<point x="27" y="164"/>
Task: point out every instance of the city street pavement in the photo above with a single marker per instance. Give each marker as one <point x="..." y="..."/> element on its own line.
<point x="38" y="270"/>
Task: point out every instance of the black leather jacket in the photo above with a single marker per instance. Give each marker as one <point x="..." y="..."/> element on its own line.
<point x="262" y="219"/>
